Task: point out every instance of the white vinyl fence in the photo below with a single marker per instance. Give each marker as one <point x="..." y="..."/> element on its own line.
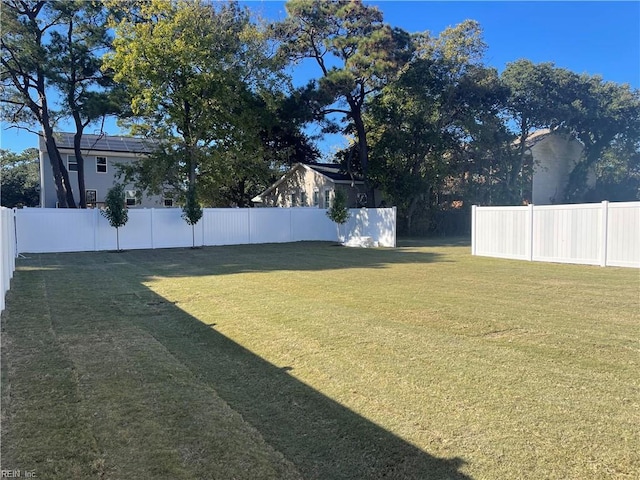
<point x="7" y="251"/>
<point x="47" y="230"/>
<point x="605" y="234"/>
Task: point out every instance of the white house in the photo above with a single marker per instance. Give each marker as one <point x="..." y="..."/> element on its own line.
<point x="102" y="154"/>
<point x="555" y="155"/>
<point x="313" y="185"/>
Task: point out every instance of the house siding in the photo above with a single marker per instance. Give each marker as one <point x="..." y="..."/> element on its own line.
<point x="555" y="156"/>
<point x="306" y="181"/>
<point x="94" y="180"/>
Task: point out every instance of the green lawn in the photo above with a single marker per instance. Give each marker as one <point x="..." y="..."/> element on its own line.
<point x="314" y="361"/>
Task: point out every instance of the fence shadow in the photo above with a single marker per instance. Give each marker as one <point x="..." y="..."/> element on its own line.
<point x="298" y="256"/>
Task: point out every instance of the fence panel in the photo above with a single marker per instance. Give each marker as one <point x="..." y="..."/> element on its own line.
<point x="270" y="225"/>
<point x="592" y="234"/>
<point x="379" y="224"/>
<point x="501" y="232"/>
<point x="51" y="230"/>
<point x="312" y="224"/>
<point x="568" y="233"/>
<point x="170" y="229"/>
<point x="226" y="226"/>
<point x="66" y="230"/>
<point x="7" y="251"/>
<point x="623" y="234"/>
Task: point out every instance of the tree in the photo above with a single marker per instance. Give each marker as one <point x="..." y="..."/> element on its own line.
<point x="356" y="52"/>
<point x="194" y="70"/>
<point x="115" y="210"/>
<point x="75" y="52"/>
<point x="603" y="114"/>
<point x="596" y="112"/>
<point x="24" y="76"/>
<point x="536" y="100"/>
<point x="192" y="212"/>
<point x="20" y="174"/>
<point x="56" y="47"/>
<point x="618" y="173"/>
<point x="338" y="211"/>
<point x="424" y="125"/>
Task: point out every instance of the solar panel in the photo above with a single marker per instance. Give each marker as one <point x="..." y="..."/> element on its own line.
<point x="104" y="143"/>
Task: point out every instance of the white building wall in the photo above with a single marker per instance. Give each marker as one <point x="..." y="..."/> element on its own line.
<point x="554" y="158"/>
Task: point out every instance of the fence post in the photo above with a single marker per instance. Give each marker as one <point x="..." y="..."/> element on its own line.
<point x="603" y="233"/>
<point x="249" y="224"/>
<point x="473" y="229"/>
<point x="291" y="224"/>
<point x="14" y="225"/>
<point x="153" y="244"/>
<point x="204" y="222"/>
<point x="395" y="228"/>
<point x="530" y="237"/>
<point x="95" y="229"/>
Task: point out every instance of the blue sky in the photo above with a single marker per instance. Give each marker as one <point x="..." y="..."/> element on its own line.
<point x="600" y="38"/>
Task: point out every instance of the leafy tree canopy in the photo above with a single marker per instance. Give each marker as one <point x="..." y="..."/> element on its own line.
<point x="357" y="53"/>
<point x="20" y="174"/>
<point x="200" y="78"/>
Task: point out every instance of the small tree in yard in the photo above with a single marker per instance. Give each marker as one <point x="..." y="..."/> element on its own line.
<point x="192" y="212"/>
<point x="338" y="211"/>
<point x="115" y="209"/>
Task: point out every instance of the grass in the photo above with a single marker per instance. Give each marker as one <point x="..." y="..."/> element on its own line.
<point x="313" y="361"/>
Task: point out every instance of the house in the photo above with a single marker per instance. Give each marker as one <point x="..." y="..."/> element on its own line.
<point x="102" y="154"/>
<point x="313" y="185"/>
<point x="554" y="155"/>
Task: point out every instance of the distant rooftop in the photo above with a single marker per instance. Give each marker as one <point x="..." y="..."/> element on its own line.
<point x="102" y="143"/>
<point x="334" y="171"/>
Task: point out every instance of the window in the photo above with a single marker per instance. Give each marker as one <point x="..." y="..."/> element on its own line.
<point x="327" y="198"/>
<point x="72" y="163"/>
<point x="303" y="199"/>
<point x="316" y="198"/>
<point x="91" y="196"/>
<point x="101" y="164"/>
<point x="168" y="202"/>
<point x="130" y="197"/>
<point x="294" y="199"/>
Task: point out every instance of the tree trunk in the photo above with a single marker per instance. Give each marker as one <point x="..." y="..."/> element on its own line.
<point x="363" y="147"/>
<point x="54" y="160"/>
<point x="517" y="167"/>
<point x="77" y="138"/>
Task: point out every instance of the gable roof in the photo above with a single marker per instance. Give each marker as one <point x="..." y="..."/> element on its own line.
<point x="332" y="171"/>
<point x="101" y="143"/>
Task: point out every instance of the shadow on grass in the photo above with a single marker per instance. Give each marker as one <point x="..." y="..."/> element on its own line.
<point x="322" y="438"/>
<point x="434" y="242"/>
<point x="299" y="256"/>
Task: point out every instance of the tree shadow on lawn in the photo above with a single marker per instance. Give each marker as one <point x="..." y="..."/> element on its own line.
<point x="434" y="242"/>
<point x="322" y="438"/>
<point x="299" y="256"/>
